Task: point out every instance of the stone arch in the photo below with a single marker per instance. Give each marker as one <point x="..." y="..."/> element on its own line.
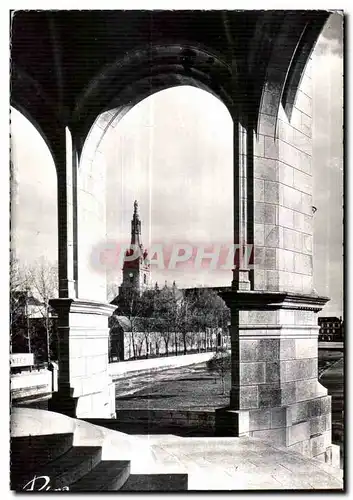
<point x="29" y="98"/>
<point x="282" y="164"/>
<point x="91" y="167"/>
<point x="143" y="72"/>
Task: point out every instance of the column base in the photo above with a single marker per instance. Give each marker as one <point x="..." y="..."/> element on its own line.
<point x="304" y="427"/>
<point x="85" y="387"/>
<point x="276" y="395"/>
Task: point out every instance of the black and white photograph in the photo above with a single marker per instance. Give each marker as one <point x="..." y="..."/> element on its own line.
<point x="176" y="251"/>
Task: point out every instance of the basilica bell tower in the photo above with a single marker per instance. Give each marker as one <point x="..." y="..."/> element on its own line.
<point x="136" y="268"/>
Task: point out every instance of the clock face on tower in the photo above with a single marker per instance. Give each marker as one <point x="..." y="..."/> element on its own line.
<point x="131" y="275"/>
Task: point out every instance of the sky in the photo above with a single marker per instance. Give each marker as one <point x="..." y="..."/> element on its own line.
<point x="177" y="162"/>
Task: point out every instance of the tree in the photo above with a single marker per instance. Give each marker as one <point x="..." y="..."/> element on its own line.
<point x="209" y="313"/>
<point x="19" y="291"/>
<point x="31" y="288"/>
<point x="220" y="364"/>
<point x="166" y="316"/>
<point x="129" y="305"/>
<point x="44" y="285"/>
<point x="184" y="321"/>
<point x="147" y="318"/>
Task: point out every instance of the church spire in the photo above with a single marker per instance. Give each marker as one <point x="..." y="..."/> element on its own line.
<point x="135" y="226"/>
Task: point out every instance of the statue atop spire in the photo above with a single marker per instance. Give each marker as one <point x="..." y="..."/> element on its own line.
<point x="136" y="226"/>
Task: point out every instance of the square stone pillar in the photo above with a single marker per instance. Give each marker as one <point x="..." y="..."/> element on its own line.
<point x="275" y="393"/>
<point x="85" y="389"/>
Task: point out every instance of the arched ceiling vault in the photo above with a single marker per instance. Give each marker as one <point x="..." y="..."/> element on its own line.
<point x="70" y="66"/>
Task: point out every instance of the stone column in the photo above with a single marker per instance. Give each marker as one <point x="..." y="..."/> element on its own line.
<point x="275" y="393"/>
<point x="85" y="389"/>
<point x="84" y="385"/>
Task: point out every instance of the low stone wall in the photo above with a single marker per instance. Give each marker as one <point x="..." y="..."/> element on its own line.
<point x="195" y="421"/>
<point x="31" y="384"/>
<point x="331" y="346"/>
<point x="121" y="369"/>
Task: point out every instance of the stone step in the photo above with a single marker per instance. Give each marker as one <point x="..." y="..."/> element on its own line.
<point x="108" y="475"/>
<point x="64" y="471"/>
<point x="28" y="452"/>
<point x="156" y="482"/>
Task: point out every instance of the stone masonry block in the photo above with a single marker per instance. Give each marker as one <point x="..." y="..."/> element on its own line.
<point x="272" y="189"/>
<point x="285" y="174"/>
<point x="259" y="234"/>
<point x="278" y="437"/>
<point x="306" y="389"/>
<point x="306" y="85"/>
<point x="302" y="142"/>
<point x="305" y="348"/>
<point x="270" y="261"/>
<point x="265" y="168"/>
<point x="298" y="369"/>
<point x="318" y="425"/>
<point x="271" y="148"/>
<point x="302" y="181"/>
<point x="287" y="349"/>
<point x="285" y="260"/>
<point x="259" y="420"/>
<point x="299" y="411"/>
<point x="263" y="318"/>
<point x="291" y="282"/>
<point x="272" y="372"/>
<point x="284" y="131"/>
<point x="260" y="279"/>
<point x="320" y="443"/>
<point x="272" y="280"/>
<point x="273" y="235"/>
<point x="292" y="240"/>
<point x="259" y="257"/>
<point x="303" y="264"/>
<point x="286" y="217"/>
<point x="280" y="417"/>
<point x="248" y="397"/>
<point x="292" y="198"/>
<point x="269" y="395"/>
<point x="288" y="393"/>
<point x="306" y="124"/>
<point x="268" y="349"/>
<point x="299" y="432"/>
<point x="259" y="190"/>
<point x="248" y="350"/>
<point x="307" y="204"/>
<point x="252" y="373"/>
<point x="304" y="103"/>
<point x="267" y="124"/>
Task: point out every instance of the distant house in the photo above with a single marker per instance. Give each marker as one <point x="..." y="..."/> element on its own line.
<point x="30" y="321"/>
<point x="331" y="329"/>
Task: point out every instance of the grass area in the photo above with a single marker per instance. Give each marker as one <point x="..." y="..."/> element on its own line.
<point x="327" y="358"/>
<point x="195" y="390"/>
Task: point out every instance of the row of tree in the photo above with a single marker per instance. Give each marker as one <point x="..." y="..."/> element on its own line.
<point x="165" y="316"/>
<point x="177" y="318"/>
<point x="33" y="327"/>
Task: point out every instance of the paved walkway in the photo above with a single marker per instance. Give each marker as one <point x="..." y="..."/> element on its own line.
<point x="239" y="463"/>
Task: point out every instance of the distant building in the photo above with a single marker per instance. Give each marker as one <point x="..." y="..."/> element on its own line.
<point x="132" y="335"/>
<point x="331" y="329"/>
<point x="136" y="267"/>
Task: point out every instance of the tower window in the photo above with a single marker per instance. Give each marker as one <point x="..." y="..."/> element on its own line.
<point x="144" y="279"/>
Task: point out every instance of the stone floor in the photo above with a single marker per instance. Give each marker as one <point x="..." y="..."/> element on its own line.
<point x="239" y="463"/>
<point x="211" y="463"/>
